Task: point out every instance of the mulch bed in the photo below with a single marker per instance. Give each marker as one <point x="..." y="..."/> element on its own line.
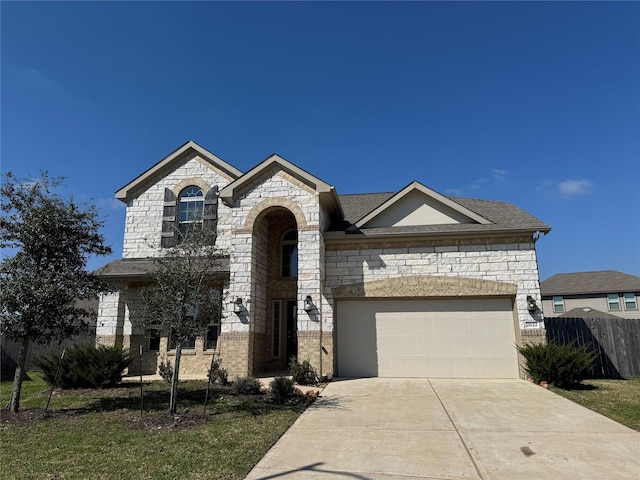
<point x="150" y="421"/>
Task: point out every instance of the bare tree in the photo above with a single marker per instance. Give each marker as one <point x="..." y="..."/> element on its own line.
<point x="184" y="296"/>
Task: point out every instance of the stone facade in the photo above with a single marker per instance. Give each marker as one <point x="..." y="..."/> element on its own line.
<point x="266" y="204"/>
<point x="511" y="263"/>
<point x="143" y="223"/>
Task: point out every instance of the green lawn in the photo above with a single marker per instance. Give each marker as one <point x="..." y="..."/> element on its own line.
<point x="100" y="434"/>
<point x="616" y="399"/>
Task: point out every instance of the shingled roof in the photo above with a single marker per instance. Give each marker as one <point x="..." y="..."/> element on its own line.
<point x="140" y="268"/>
<point x="502" y="215"/>
<point x="605" y="281"/>
<point x="586" y="312"/>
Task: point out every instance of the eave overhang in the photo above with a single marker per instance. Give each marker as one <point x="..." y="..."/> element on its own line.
<point x="233" y="173"/>
<point x="363" y="236"/>
<point x="141" y="269"/>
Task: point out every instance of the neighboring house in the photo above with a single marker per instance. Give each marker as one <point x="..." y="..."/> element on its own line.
<point x="603" y="294"/>
<point x="9" y="350"/>
<point x="404" y="284"/>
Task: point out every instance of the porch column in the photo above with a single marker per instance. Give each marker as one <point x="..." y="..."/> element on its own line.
<point x="235" y="336"/>
<point x="310" y="273"/>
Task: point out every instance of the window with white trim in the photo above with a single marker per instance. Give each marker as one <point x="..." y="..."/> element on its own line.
<point x="190" y="211"/>
<point x="558" y="304"/>
<point x="630" y="302"/>
<point x="613" y="300"/>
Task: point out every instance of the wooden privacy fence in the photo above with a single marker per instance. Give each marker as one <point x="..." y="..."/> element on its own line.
<point x="615" y="341"/>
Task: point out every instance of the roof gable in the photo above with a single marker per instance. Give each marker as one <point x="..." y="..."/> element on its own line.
<point x="171" y="160"/>
<point x="327" y="193"/>
<point x="418" y="205"/>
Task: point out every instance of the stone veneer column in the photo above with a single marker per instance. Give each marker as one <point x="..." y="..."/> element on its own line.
<point x="310" y="259"/>
<point x="110" y="321"/>
<point x="235" y="333"/>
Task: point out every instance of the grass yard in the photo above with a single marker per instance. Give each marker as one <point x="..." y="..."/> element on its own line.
<point x="616" y="399"/>
<point x="100" y="434"/>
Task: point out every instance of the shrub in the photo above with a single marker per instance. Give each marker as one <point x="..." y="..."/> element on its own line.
<point x="302" y="373"/>
<point x="281" y="388"/>
<point x="165" y="369"/>
<point x="217" y="373"/>
<point x="564" y="366"/>
<point x="247" y="386"/>
<point x="84" y="366"/>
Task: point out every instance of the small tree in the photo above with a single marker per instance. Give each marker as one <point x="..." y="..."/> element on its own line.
<point x="183" y="297"/>
<point x="41" y="284"/>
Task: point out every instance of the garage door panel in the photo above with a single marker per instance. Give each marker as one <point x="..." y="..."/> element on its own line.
<point x="444" y="367"/>
<point x="445" y="338"/>
<point x="444" y="346"/>
<point x="430" y="324"/>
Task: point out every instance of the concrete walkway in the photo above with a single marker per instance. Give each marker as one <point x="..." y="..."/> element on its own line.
<point x="401" y="429"/>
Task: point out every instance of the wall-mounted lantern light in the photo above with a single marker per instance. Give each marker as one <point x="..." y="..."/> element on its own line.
<point x="531" y="304"/>
<point x="237" y="305"/>
<point x="308" y="304"/>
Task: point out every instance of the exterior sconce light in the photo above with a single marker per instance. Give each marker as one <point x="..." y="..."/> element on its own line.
<point x="308" y="304"/>
<point x="531" y="304"/>
<point x="237" y="306"/>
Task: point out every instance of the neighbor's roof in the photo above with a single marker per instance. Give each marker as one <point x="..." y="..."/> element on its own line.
<point x="586" y="312"/>
<point x="140" y="268"/>
<point x="605" y="281"/>
<point x="503" y="216"/>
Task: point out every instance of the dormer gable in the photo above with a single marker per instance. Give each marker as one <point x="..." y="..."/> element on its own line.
<point x="327" y="193"/>
<point x="418" y="205"/>
<point x="170" y="161"/>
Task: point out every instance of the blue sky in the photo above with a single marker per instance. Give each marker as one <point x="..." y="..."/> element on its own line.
<point x="537" y="103"/>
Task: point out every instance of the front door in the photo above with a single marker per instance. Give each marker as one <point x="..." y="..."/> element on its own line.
<point x="292" y="329"/>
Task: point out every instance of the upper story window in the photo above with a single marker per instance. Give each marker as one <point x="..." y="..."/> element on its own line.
<point x="290" y="254"/>
<point x="630" y="302"/>
<point x="558" y="304"/>
<point x="190" y="211"/>
<point x="613" y="300"/>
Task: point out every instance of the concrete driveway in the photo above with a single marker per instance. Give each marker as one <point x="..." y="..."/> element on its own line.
<point x="384" y="429"/>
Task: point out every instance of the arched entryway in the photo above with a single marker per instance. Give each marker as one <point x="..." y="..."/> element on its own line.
<point x="274" y="289"/>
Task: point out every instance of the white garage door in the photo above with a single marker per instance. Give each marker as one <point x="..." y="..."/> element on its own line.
<point x="452" y="338"/>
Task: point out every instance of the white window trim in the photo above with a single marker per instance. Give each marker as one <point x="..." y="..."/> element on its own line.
<point x="558" y="301"/>
<point x="635" y="301"/>
<point x="182" y="200"/>
<point x="610" y="298"/>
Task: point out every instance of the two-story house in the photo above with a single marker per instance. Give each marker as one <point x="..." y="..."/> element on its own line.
<point x="401" y="284"/>
<point x="602" y="294"/>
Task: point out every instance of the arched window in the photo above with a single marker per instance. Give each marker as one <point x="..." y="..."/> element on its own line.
<point x="190" y="211"/>
<point x="290" y="254"/>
